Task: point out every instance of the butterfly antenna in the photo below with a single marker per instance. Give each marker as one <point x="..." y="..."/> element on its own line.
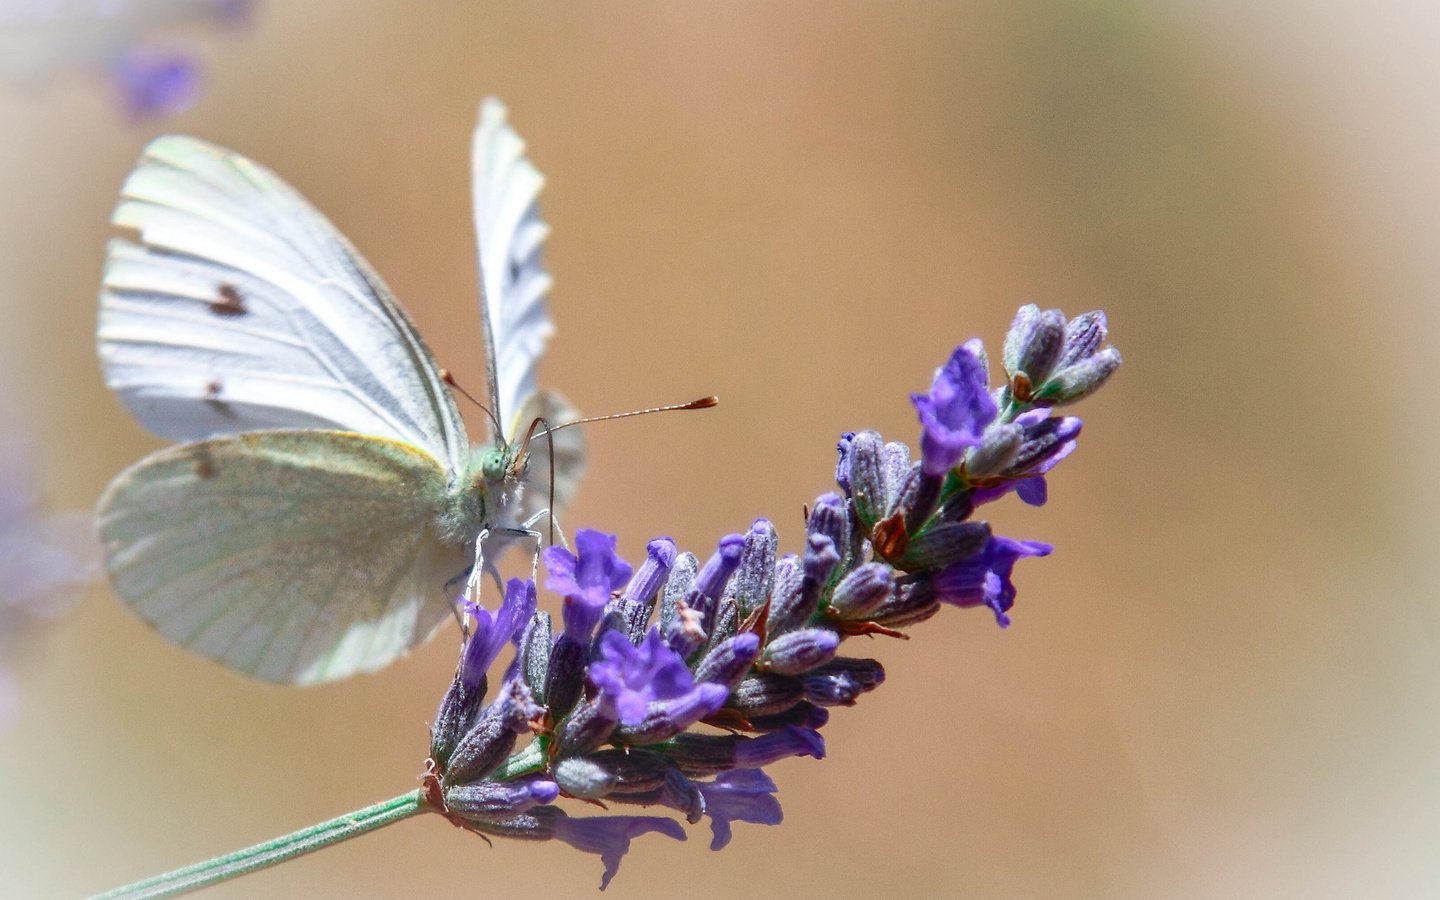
<point x="449" y="379"/>
<point x="549" y="433"/>
<point x="702" y="403"/>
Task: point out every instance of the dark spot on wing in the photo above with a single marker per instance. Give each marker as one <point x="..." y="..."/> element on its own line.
<point x="228" y="303"/>
<point x="204" y="462"/>
<point x="212" y="399"/>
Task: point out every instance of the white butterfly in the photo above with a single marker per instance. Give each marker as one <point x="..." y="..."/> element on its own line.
<point x="329" y="492"/>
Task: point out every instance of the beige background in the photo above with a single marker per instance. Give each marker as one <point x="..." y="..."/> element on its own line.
<point x="1224" y="681"/>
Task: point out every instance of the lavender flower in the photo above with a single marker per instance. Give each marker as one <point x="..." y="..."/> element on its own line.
<point x="984" y="578"/>
<point x="740" y="795"/>
<point x="750" y="641"/>
<point x="586" y="580"/>
<point x="630" y="678"/>
<point x="492" y="632"/>
<point x="610" y="836"/>
<point x="955" y="412"/>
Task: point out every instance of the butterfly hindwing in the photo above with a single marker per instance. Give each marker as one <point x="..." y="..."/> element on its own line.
<point x="243" y="308"/>
<point x="292" y="556"/>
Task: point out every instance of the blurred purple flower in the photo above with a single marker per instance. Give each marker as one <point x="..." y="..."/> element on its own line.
<point x="156" y="83"/>
<point x="45" y="559"/>
<point x="116" y="40"/>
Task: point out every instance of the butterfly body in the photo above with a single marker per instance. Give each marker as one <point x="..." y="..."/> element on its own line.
<point x="325" y="490"/>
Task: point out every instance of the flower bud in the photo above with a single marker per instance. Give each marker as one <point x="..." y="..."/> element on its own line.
<point x="828" y="516"/>
<point x="710" y="581"/>
<point x="1079" y="381"/>
<point x="805" y="714"/>
<point x="842" y="680"/>
<point x="499" y="799"/>
<point x="869" y="488"/>
<point x="943" y="544"/>
<point x="492" y="738"/>
<point x="765" y="694"/>
<point x="753" y="578"/>
<point x="452" y="719"/>
<point x="532" y="660"/>
<point x="631" y="770"/>
<point x="867" y="672"/>
<point x="1032" y="347"/>
<point x="700" y="755"/>
<point x="589" y="726"/>
<point x="800" y="651"/>
<point x="727" y="622"/>
<point x="917" y="496"/>
<point x="842" y="463"/>
<point x="897" y="464"/>
<point x="1046" y="442"/>
<point x="1083" y="336"/>
<point x="859" y="592"/>
<point x="729" y="661"/>
<point x="565" y="675"/>
<point x="996" y="449"/>
<point x="793" y="610"/>
<point x="832" y="689"/>
<point x="778" y="745"/>
<point x="914" y="601"/>
<point x="583" y="778"/>
<point x="638" y="600"/>
<point x="677" y="585"/>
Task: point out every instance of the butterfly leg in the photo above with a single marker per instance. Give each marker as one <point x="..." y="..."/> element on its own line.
<point x="529" y="525"/>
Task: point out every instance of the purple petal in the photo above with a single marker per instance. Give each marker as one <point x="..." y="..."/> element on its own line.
<point x="493" y="631"/>
<point x="743" y="795"/>
<point x="955" y="412"/>
<point x="984" y="578"/>
<point x="1032" y="490"/>
<point x="560" y="565"/>
<point x="630" y="678"/>
<point x="610" y="836"/>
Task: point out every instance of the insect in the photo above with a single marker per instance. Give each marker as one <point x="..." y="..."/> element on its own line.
<point x="326" y="490"/>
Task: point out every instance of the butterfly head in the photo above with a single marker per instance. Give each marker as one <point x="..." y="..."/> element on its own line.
<point x="493" y="463"/>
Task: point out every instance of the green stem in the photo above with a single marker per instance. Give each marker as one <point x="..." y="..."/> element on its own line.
<point x="316" y="837"/>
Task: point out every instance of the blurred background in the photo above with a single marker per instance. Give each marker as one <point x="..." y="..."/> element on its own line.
<point x="1223" y="683"/>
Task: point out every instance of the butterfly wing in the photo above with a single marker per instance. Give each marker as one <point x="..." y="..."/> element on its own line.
<point x="292" y="556"/>
<point x="243" y="308"/>
<point x="513" y="280"/>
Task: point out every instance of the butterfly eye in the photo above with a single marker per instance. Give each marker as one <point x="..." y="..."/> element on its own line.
<point x="492" y="464"/>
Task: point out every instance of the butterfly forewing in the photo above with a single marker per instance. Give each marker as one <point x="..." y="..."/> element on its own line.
<point x="513" y="280"/>
<point x="243" y="308"/>
<point x="293" y="556"/>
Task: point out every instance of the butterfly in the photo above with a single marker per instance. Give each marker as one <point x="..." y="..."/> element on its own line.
<point x="326" y="491"/>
